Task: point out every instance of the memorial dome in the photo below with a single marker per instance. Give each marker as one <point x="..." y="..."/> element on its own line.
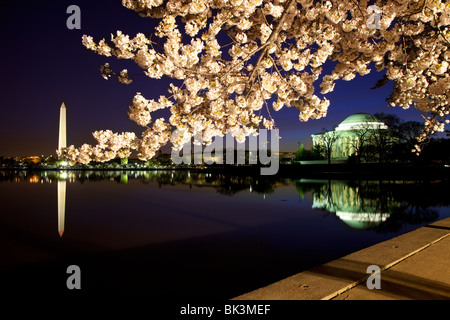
<point x="360" y="117"/>
<point x="359" y="121"/>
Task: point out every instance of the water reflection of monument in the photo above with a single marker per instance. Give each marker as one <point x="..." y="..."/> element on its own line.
<point x="224" y="184"/>
<point x="61" y="180"/>
<point x="61" y="205"/>
<point x="361" y="205"/>
<point x="62" y="143"/>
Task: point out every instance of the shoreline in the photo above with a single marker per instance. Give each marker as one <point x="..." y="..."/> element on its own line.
<point x="329" y="171"/>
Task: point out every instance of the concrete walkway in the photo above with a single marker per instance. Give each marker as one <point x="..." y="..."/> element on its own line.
<point x="415" y="265"/>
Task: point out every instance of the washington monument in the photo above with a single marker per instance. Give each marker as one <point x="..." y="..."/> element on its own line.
<point x="62" y="128"/>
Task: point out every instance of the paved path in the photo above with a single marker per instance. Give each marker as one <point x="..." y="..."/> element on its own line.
<point x="415" y="265"/>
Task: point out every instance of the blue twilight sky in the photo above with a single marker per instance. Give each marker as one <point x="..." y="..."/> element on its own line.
<point x="45" y="64"/>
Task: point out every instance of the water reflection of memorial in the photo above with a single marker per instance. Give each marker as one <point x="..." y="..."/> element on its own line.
<point x="381" y="205"/>
<point x="352" y="205"/>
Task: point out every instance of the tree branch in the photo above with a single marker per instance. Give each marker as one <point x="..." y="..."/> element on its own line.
<point x="269" y="41"/>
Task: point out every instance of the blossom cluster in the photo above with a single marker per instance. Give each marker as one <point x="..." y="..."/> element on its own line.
<point x="273" y="56"/>
<point x="110" y="145"/>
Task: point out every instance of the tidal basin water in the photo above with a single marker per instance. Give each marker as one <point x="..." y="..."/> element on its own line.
<point x="188" y="234"/>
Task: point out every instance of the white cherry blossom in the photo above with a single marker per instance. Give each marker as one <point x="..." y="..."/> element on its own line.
<point x="231" y="59"/>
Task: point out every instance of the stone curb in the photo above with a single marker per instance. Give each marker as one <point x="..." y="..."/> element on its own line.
<point x="330" y="279"/>
<point x="390" y="265"/>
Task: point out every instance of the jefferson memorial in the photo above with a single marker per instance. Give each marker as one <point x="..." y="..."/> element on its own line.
<point x="347" y="134"/>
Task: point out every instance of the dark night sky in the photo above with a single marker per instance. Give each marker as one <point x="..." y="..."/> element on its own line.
<point x="45" y="64"/>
